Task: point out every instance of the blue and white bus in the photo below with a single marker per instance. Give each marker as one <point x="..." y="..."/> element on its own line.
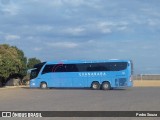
<point x="100" y="74"/>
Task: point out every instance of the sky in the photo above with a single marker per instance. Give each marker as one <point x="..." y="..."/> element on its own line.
<point x="85" y="30"/>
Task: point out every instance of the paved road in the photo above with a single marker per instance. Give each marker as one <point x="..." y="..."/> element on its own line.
<point x="133" y="99"/>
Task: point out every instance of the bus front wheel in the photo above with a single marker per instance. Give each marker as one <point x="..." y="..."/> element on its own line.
<point x="95" y="86"/>
<point x="106" y="86"/>
<point x="43" y="85"/>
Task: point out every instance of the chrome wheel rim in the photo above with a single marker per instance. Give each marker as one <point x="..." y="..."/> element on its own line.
<point x="44" y="85"/>
<point x="105" y="86"/>
<point x="95" y="86"/>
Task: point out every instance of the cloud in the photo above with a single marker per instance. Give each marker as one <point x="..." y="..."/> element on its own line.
<point x="1" y="32"/>
<point x="74" y="3"/>
<point x="104" y="27"/>
<point x="9" y="8"/>
<point x="10" y="37"/>
<point x="62" y="45"/>
<point x="74" y="31"/>
<point x="153" y="22"/>
<point x="37" y="49"/>
<point x="108" y="27"/>
<point x="5" y="2"/>
<point x="44" y="28"/>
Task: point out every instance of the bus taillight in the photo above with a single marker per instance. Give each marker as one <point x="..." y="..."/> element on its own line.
<point x="130" y="79"/>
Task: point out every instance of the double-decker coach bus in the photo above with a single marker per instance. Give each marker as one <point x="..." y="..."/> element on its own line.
<point x="101" y="74"/>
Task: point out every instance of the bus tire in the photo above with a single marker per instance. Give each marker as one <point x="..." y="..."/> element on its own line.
<point x="43" y="85"/>
<point x="106" y="86"/>
<point x="95" y="85"/>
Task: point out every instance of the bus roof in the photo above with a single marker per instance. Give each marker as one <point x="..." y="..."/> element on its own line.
<point x="85" y="61"/>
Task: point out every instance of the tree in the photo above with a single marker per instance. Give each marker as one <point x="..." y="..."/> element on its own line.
<point x="32" y="62"/>
<point x="12" y="61"/>
<point x="23" y="60"/>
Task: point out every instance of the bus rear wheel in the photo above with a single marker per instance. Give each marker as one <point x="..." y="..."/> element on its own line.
<point x="95" y="86"/>
<point x="43" y="85"/>
<point x="106" y="86"/>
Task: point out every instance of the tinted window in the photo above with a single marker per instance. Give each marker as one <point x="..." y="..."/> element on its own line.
<point x="116" y="66"/>
<point x="33" y="74"/>
<point x="61" y="68"/>
<point x="39" y="66"/>
<point x="97" y="67"/>
<point x="71" y="68"/>
<point x="108" y="66"/>
<point x="48" y="69"/>
<point x="84" y="67"/>
<point x="66" y="68"/>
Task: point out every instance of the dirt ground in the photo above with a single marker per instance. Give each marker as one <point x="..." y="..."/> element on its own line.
<point x="146" y="83"/>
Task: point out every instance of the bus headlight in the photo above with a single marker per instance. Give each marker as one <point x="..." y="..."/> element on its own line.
<point x="33" y="84"/>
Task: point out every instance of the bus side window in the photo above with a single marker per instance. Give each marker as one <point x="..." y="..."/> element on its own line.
<point x="71" y="68"/>
<point x="61" y="69"/>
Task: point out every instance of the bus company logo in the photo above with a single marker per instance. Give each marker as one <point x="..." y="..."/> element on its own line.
<point x="92" y="74"/>
<point x="6" y="114"/>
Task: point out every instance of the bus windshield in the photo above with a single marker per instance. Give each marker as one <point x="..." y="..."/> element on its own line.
<point x="35" y="71"/>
